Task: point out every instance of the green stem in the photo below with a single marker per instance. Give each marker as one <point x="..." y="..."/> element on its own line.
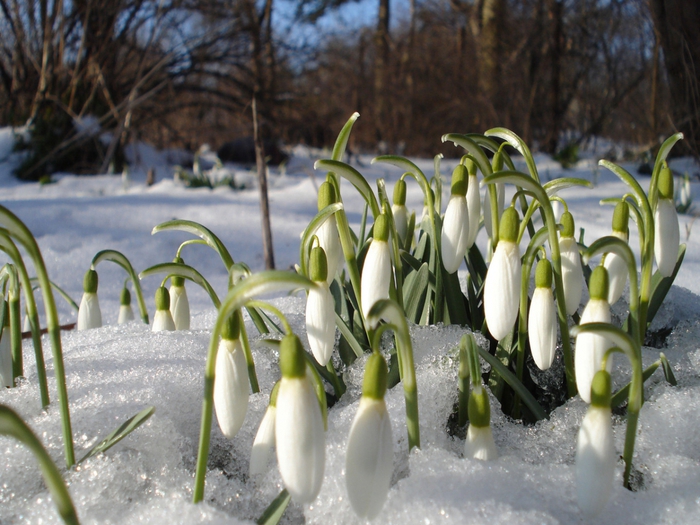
<point x="121" y="260"/>
<point x="250" y="363"/>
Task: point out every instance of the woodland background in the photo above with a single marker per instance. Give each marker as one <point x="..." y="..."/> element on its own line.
<point x="179" y="73"/>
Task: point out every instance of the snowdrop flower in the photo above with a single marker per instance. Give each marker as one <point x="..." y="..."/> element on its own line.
<point x="327" y="233"/>
<point x="455" y="225"/>
<point x="126" y="313"/>
<point x="320" y="310"/>
<point x="179" y="304"/>
<point x="299" y="434"/>
<point x="265" y="437"/>
<point x="6" y="379"/>
<point x="231" y="379"/>
<point x="163" y="319"/>
<point x="571" y="270"/>
<point x="590" y="348"/>
<point x="89" y="315"/>
<point x="376" y="271"/>
<point x="595" y="450"/>
<point x="666" y="229"/>
<point x="502" y="286"/>
<point x="370" y="454"/>
<point x="616" y="265"/>
<point x="399" y="210"/>
<point x="542" y="319"/>
<point x="479" y="443"/>
<point x="473" y="203"/>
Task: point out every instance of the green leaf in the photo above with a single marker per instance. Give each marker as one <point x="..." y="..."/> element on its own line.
<point x="661" y="285"/>
<point x="274" y="512"/>
<point x="349" y="336"/>
<point x="183" y="270"/>
<point x="554" y="186"/>
<point x="415" y="291"/>
<point x="621" y="395"/>
<point x="200" y="231"/>
<point x="519" y="144"/>
<point x="61" y="292"/>
<point x="454" y="299"/>
<point x="120" y="433"/>
<point x="668" y="371"/>
<point x="355" y="177"/>
<point x="342" y="141"/>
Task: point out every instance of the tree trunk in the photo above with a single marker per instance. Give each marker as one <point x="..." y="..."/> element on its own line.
<point x="489" y="49"/>
<point x="677" y="23"/>
<point x="381" y="63"/>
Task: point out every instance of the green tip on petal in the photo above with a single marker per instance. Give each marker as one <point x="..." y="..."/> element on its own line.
<point x="460" y="179"/>
<point x="232" y="327"/>
<point x="176" y="280"/>
<point x="666" y="183"/>
<point x="326" y="195"/>
<point x="621" y="217"/>
<point x="125" y="298"/>
<point x="497" y="162"/>
<point x="162" y="299"/>
<point x="510" y="222"/>
<point x="400" y="192"/>
<point x="90" y="281"/>
<point x="601" y="389"/>
<point x="599" y="283"/>
<point x="567" y="223"/>
<point x="479" y="408"/>
<point x="292" y="361"/>
<point x="374" y="383"/>
<point x="381" y="228"/>
<point x="543" y="274"/>
<point x="470" y="165"/>
<point x="318" y="264"/>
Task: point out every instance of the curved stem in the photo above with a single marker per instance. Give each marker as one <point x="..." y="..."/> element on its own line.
<point x="121" y="260"/>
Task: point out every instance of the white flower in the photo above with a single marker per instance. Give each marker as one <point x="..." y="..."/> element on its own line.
<point x="376" y="270"/>
<point x="126" y="314"/>
<point x="299" y="432"/>
<point x="230" y="387"/>
<point x="180" y="307"/>
<point x="542" y="327"/>
<point x="502" y="286"/>
<point x="400" y="213"/>
<point x="6" y="379"/>
<point x="327" y="233"/>
<point x="455" y="233"/>
<point x="666" y="236"/>
<point x="263" y="443"/>
<point x="163" y="321"/>
<point x="571" y="270"/>
<point x="480" y="444"/>
<point x="370" y="457"/>
<point x="474" y="208"/>
<point x="89" y="315"/>
<point x="617" y="270"/>
<point x="320" y="322"/>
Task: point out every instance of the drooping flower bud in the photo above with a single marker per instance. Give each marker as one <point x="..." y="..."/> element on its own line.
<point x="231" y="380"/>
<point x="502" y="286"/>
<point x="479" y="443"/>
<point x="376" y="271"/>
<point x="179" y="303"/>
<point x="595" y="450"/>
<point x="590" y="348"/>
<point x="327" y="233"/>
<point x="666" y="229"/>
<point x="571" y="270"/>
<point x="455" y="226"/>
<point x="542" y="319"/>
<point x="265" y="437"/>
<point x="163" y="319"/>
<point x="399" y="210"/>
<point x="89" y="314"/>
<point x="473" y="203"/>
<point x="616" y="265"/>
<point x="320" y="310"/>
<point x="299" y="433"/>
<point x="370" y="452"/>
<point x="126" y="312"/>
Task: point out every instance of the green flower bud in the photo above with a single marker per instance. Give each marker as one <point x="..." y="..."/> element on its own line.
<point x="470" y="165"/>
<point x="567" y="222"/>
<point x="374" y="383"/>
<point x="400" y="192"/>
<point x="326" y="195"/>
<point x="177" y="280"/>
<point x="125" y="298"/>
<point x="90" y="281"/>
<point x="232" y="327"/>
<point x="621" y="217"/>
<point x="162" y="299"/>
<point x="543" y="274"/>
<point x="497" y="162"/>
<point x="599" y="283"/>
<point x="601" y="389"/>
<point x="292" y="360"/>
<point x="479" y="408"/>
<point x="510" y="223"/>
<point x="460" y="180"/>
<point x="381" y="228"/>
<point x="318" y="264"/>
<point x="665" y="183"/>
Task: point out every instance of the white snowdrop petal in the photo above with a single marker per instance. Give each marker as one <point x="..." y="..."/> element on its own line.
<point x="370" y="458"/>
<point x="89" y="315"/>
<point x="455" y="233"/>
<point x="595" y="460"/>
<point x="502" y="289"/>
<point x="180" y="307"/>
<point x="542" y="327"/>
<point x="329" y="240"/>
<point x="320" y="322"/>
<point x="480" y="444"/>
<point x="230" y="387"/>
<point x="666" y="236"/>
<point x="400" y="214"/>
<point x="300" y="439"/>
<point x="263" y="443"/>
<point x="376" y="275"/>
<point x="617" y="276"/>
<point x="590" y="348"/>
<point x="126" y="314"/>
<point x="571" y="273"/>
<point x="474" y="209"/>
<point x="163" y="321"/>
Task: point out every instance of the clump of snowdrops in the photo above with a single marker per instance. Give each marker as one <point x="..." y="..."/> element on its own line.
<point x="400" y="269"/>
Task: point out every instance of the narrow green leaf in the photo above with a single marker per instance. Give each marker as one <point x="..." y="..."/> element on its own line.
<point x="355" y="177"/>
<point x="342" y="141"/>
<point x="273" y="513"/>
<point x="473" y="149"/>
<point x="519" y="144"/>
<point x="668" y="371"/>
<point x="415" y="291"/>
<point x="349" y="336"/>
<point x="121" y="260"/>
<point x="621" y="395"/>
<point x="661" y="285"/>
<point x="454" y="299"/>
<point x="120" y="433"/>
<point x="61" y="292"/>
<point x="554" y="186"/>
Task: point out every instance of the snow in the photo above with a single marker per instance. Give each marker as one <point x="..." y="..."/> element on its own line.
<point x="115" y="371"/>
